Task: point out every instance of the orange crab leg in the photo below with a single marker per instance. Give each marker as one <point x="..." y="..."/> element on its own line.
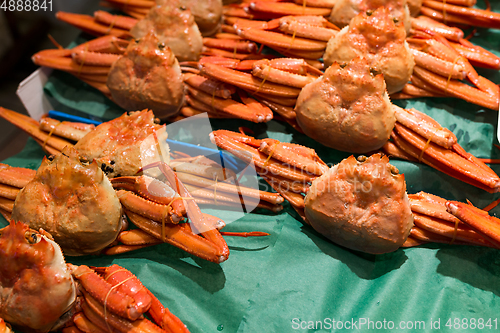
<point x="305" y="30"/>
<point x="118" y="21"/>
<point x="431" y="205"/>
<point x="116" y="301"/>
<point x="233" y="45"/>
<point x="249" y="154"/>
<point x="278" y="9"/>
<point x="8" y="192"/>
<point x="424" y="23"/>
<point x="209" y="86"/>
<point x="264" y="70"/>
<point x="196" y="217"/>
<point x="104" y="44"/>
<point x="477" y="56"/>
<point x="6" y="204"/>
<point x="281" y="41"/>
<point x="232" y="107"/>
<point x="412" y="242"/>
<point x="66" y="64"/>
<point x="391" y="150"/>
<point x="127" y="283"/>
<point x="15" y="176"/>
<point x="31" y="126"/>
<point x="98" y="314"/>
<point x="247" y="81"/>
<point x="153" y="190"/>
<point x="490" y="17"/>
<point x="178" y="236"/>
<point x="136" y="237"/>
<point x="457" y="89"/>
<point x="90" y="58"/>
<point x="477" y="219"/>
<point x="88" y="24"/>
<point x="65" y="129"/>
<point x="196" y="107"/>
<point x="149" y="209"/>
<point x="439" y="66"/>
<point x="83" y="324"/>
<point x="164" y="318"/>
<point x="205" y="183"/>
<point x="445" y="160"/>
<point x="459" y="232"/>
<point x="425" y="126"/>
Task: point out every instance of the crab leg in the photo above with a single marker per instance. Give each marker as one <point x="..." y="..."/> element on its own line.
<point x="127" y="283"/>
<point x="134" y="238"/>
<point x="149" y="209"/>
<point x="153" y="191"/>
<point x="209" y="86"/>
<point x="88" y="24"/>
<point x="232" y="107"/>
<point x="116" y="301"/>
<point x="6" y="204"/>
<point x="453" y="231"/>
<point x="278" y="9"/>
<point x="490" y="18"/>
<point x="444" y="160"/>
<point x="65" y="129"/>
<point x="164" y="318"/>
<point x="281" y="41"/>
<point x="118" y="21"/>
<point x="241" y="46"/>
<point x="247" y="81"/>
<point x="31" y="127"/>
<point x="477" y="219"/>
<point x="15" y="176"/>
<point x="426" y="23"/>
<point x="178" y="236"/>
<point x="457" y="89"/>
<point x="425" y="126"/>
<point x="261" y="160"/>
<point x="196" y="217"/>
<point x="98" y="314"/>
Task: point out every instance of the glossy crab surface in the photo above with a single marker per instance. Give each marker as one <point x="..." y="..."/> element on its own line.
<point x="36" y="287"/>
<point x="148" y="75"/>
<point x="125" y="144"/>
<point x="376" y="37"/>
<point x="361" y="204"/>
<point x="73" y="200"/>
<point x="347" y="108"/>
<point x="174" y="25"/>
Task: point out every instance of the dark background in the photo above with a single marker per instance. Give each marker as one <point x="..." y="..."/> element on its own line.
<point x="23" y="33"/>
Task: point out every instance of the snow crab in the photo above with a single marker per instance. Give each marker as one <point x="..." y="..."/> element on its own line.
<point x="359" y="203"/>
<point x="144" y="75"/>
<point x="320" y="113"/>
<point x="39" y="292"/>
<point x="124" y="149"/>
<point x="207" y="14"/>
<point x="344" y="203"/>
<point x="171" y="22"/>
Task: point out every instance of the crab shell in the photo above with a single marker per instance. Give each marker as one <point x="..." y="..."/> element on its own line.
<point x="147" y="76"/>
<point x="344" y="10"/>
<point x="125" y="144"/>
<point x="74" y="201"/>
<point x="36" y="287"/>
<point x="361" y="204"/>
<point x="379" y="40"/>
<point x="347" y="108"/>
<point x="175" y="26"/>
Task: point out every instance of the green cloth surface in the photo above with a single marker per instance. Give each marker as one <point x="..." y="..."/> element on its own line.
<point x="296" y="280"/>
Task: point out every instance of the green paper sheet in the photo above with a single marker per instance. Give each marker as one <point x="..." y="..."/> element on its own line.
<point x="295" y="280"/>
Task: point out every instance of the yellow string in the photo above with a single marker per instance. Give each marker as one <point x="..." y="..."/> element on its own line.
<point x="264" y="79"/>
<point x="120" y="270"/>
<point x="50" y="134"/>
<point x="454" y="232"/>
<point x="83" y="61"/>
<point x="111" y="25"/>
<point x="423" y="150"/>
<point x="449" y="76"/>
<point x="272" y="152"/>
<point x="106" y="299"/>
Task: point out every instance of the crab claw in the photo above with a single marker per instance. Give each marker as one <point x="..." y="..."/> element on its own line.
<point x="478" y="219"/>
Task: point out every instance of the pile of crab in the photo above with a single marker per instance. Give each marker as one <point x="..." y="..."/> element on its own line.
<point x="344" y="61"/>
